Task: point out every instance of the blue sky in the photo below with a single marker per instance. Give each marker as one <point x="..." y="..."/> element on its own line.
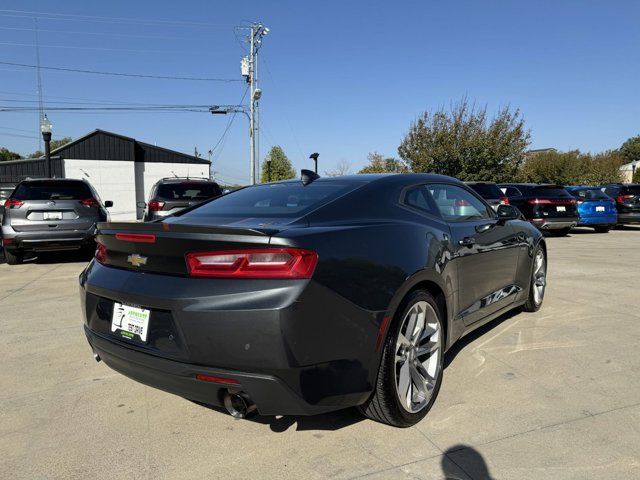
<point x="340" y="78"/>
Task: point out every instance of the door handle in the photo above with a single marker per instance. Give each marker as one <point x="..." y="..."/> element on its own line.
<point x="467" y="242"/>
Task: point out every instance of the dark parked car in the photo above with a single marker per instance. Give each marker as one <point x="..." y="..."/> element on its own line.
<point x="627" y="197"/>
<point x="595" y="208"/>
<point x="50" y="214"/>
<point x="490" y="192"/>
<point x="549" y="207"/>
<point x="302" y="297"/>
<point x="170" y="195"/>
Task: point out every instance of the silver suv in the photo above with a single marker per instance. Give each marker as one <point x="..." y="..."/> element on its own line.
<point x="51" y="214"/>
<point x="170" y="195"/>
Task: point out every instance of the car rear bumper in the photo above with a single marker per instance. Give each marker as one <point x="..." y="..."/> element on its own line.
<point x="295" y="347"/>
<point x="47" y="241"/>
<point x="270" y="394"/>
<point x="554" y="223"/>
<point x="598" y="220"/>
<point x="629" y="217"/>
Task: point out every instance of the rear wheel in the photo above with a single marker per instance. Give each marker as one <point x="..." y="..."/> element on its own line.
<point x="411" y="369"/>
<point x="13" y="258"/>
<point x="602" y="229"/>
<point x="538" y="283"/>
<point x="560" y="232"/>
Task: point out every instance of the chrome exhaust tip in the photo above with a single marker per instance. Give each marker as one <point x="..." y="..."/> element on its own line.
<point x="238" y="404"/>
<point x="96" y="357"/>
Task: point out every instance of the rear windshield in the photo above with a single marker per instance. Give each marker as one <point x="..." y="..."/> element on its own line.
<point x="549" y="191"/>
<point x="487" y="190"/>
<point x="273" y="200"/>
<point x="52" y="190"/>
<point x="188" y="191"/>
<point x="631" y="190"/>
<point x="589" y="194"/>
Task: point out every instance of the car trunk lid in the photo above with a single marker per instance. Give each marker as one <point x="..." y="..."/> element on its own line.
<point x="552" y="201"/>
<point x="161" y="247"/>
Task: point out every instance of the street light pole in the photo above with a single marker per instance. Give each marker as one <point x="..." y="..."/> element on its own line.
<point x="45" y="128"/>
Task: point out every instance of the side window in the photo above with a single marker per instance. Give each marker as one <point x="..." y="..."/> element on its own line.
<point x="512" y="192"/>
<point x="418" y="197"/>
<point x="456" y="204"/>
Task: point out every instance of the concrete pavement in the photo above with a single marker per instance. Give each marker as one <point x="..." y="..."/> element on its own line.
<point x="550" y="395"/>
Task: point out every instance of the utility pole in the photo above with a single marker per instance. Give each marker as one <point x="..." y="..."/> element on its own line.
<point x="256" y="32"/>
<point x="39" y="78"/>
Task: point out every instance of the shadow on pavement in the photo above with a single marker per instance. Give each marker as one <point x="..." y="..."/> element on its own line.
<point x="457" y="347"/>
<point x="466" y="459"/>
<point x="278" y="424"/>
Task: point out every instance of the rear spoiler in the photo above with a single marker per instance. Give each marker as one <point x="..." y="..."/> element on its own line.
<point x="113" y="227"/>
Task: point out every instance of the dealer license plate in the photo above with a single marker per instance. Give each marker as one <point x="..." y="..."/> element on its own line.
<point x="561" y="208"/>
<point x="52" y="215"/>
<point x="130" y="322"/>
<point x="599" y="209"/>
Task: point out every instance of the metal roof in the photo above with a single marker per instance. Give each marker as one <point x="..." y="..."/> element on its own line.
<point x="103" y="145"/>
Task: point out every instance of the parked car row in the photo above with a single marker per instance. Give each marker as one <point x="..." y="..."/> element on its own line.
<point x="557" y="209"/>
<point x="44" y="215"/>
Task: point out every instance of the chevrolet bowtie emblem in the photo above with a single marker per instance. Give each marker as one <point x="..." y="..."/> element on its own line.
<point x="136" y="260"/>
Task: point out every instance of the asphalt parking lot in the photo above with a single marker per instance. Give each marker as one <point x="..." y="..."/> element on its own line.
<point x="550" y="395"/>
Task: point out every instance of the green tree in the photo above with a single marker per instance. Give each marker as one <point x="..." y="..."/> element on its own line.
<point x="572" y="168"/>
<point x="462" y="142"/>
<point x="53" y="145"/>
<point x="380" y="164"/>
<point x="630" y="149"/>
<point x="279" y="166"/>
<point x="636" y="175"/>
<point x="6" y="154"/>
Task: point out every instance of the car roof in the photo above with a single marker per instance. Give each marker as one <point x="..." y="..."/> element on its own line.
<point x="185" y="179"/>
<point x="382" y="178"/>
<point x="479" y="182"/>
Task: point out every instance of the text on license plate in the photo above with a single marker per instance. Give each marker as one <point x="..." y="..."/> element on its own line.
<point x="52" y="215"/>
<point x="599" y="209"/>
<point x="130" y="322"/>
<point x="561" y="208"/>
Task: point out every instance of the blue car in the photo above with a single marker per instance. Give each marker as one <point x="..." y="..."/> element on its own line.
<point x="595" y="208"/>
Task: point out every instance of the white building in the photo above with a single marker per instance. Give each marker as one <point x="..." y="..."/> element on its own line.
<point x="121" y="169"/>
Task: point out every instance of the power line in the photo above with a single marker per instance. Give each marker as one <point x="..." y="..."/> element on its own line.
<point x="107" y="34"/>
<point x="102" y="19"/>
<point x="104" y="49"/>
<point x="122" y="74"/>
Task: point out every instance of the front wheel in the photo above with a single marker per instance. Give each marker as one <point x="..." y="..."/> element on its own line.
<point x="411" y="368"/>
<point x="538" y="283"/>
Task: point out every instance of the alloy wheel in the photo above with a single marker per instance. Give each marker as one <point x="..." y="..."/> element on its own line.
<point x="418" y="356"/>
<point x="539" y="277"/>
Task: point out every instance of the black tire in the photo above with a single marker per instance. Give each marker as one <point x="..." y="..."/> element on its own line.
<point x="384" y="405"/>
<point x="531" y="304"/>
<point x="13" y="258"/>
<point x="602" y="229"/>
<point x="560" y="232"/>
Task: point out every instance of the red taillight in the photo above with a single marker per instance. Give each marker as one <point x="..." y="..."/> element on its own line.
<point x="622" y="198"/>
<point x="504" y="201"/>
<point x="101" y="253"/>
<point x="155" y="206"/>
<point x="214" y="379"/>
<point x="253" y="263"/>
<point x="90" y="202"/>
<point x="461" y="202"/>
<point x="12" y="203"/>
<point x="136" y="237"/>
<point x="6" y="241"/>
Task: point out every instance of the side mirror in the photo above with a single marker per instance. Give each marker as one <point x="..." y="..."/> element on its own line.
<point x="108" y="204"/>
<point x="141" y="204"/>
<point x="508" y="212"/>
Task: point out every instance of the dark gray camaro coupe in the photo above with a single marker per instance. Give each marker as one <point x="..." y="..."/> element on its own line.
<point x="306" y="296"/>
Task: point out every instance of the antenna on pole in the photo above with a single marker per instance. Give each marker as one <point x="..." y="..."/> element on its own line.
<point x="39" y="77"/>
